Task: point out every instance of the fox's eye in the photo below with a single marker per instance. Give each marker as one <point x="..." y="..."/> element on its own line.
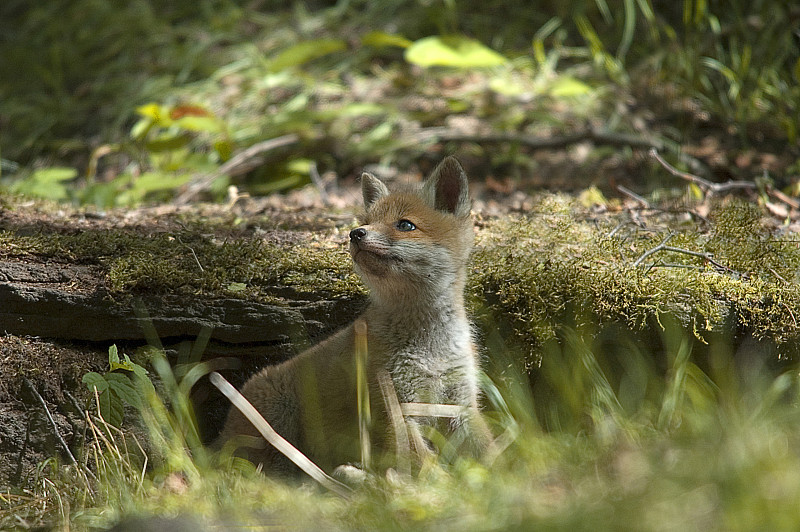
<point x="405" y="225"/>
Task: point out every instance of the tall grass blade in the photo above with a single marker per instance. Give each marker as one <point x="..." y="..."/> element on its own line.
<point x="275" y="439"/>
<point x="364" y="414"/>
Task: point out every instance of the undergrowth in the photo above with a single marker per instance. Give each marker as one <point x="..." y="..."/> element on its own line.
<point x="366" y="82"/>
<point x="603" y="439"/>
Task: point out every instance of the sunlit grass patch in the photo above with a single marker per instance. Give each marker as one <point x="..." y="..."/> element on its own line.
<point x="603" y="439"/>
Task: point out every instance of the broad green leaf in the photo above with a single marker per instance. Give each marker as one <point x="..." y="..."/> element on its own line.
<point x="134" y="367"/>
<point x="453" y="51"/>
<point x="94" y="380"/>
<point x="112" y="409"/>
<point x="202" y="124"/>
<point x="113" y="356"/>
<point x="156" y="113"/>
<point x="121" y="385"/>
<point x="39" y="189"/>
<point x="567" y="87"/>
<point x="168" y="142"/>
<point x="506" y="87"/>
<point x="126" y="364"/>
<point x="141" y="128"/>
<point x="304" y="52"/>
<point x="299" y="166"/>
<point x="155" y="181"/>
<point x="379" y="39"/>
<point x="54" y="175"/>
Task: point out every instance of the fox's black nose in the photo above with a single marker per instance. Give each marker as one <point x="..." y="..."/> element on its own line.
<point x="357" y="234"/>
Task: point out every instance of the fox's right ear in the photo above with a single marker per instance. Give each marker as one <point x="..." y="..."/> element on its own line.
<point x="372" y="189"/>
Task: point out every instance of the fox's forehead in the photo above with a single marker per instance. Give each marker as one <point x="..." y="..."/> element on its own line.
<point x="398" y="205"/>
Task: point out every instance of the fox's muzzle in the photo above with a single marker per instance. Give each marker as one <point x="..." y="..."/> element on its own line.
<point x="357" y="234"/>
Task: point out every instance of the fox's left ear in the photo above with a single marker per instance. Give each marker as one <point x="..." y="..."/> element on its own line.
<point x="372" y="189"/>
<point x="447" y="189"/>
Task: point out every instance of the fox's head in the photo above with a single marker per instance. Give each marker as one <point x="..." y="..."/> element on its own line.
<point x="415" y="242"/>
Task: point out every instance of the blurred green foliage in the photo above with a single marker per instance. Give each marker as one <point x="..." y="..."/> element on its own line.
<point x="75" y="72"/>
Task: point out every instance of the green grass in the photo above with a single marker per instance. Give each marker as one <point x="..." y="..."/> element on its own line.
<point x="588" y="448"/>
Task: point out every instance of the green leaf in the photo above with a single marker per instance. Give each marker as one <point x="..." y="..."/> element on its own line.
<point x="40" y="189"/>
<point x="201" y="124"/>
<point x="121" y="385"/>
<point x="125" y="364"/>
<point x="156" y="181"/>
<point x="54" y="175"/>
<point x="157" y="113"/>
<point x="136" y="368"/>
<point x="167" y="142"/>
<point x="568" y="87"/>
<point x="94" y="380"/>
<point x="299" y="166"/>
<point x="141" y="128"/>
<point x="113" y="356"/>
<point x="506" y="87"/>
<point x="304" y="52"/>
<point x="379" y="39"/>
<point x="112" y="409"/>
<point x="453" y="51"/>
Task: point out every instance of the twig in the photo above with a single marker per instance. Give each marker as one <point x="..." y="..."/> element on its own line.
<point x="203" y="182"/>
<point x="713" y="188"/>
<point x="52" y="421"/>
<point x="780" y="196"/>
<point x="538" y="143"/>
<point x="313" y="172"/>
<point x="634" y="196"/>
<point x="664" y="247"/>
<point x="656" y="249"/>
<point x="275" y="439"/>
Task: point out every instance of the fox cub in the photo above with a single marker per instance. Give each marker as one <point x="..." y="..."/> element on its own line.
<point x="412" y="252"/>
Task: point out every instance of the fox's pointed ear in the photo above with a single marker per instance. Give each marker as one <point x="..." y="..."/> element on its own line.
<point x="447" y="189"/>
<point x="372" y="189"/>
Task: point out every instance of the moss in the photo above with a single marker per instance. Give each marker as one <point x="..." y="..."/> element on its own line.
<point x="539" y="271"/>
<point x="530" y="273"/>
<point x="136" y="262"/>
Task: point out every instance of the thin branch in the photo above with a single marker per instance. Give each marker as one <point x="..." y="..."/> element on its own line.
<point x="780" y="196"/>
<point x="596" y="136"/>
<point x="275" y="439"/>
<point x="634" y="196"/>
<point x="240" y="159"/>
<point x="319" y="183"/>
<point x="656" y="249"/>
<point x="713" y="188"/>
<point x="703" y="255"/>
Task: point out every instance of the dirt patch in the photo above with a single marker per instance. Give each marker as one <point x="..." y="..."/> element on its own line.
<point x="54" y="371"/>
